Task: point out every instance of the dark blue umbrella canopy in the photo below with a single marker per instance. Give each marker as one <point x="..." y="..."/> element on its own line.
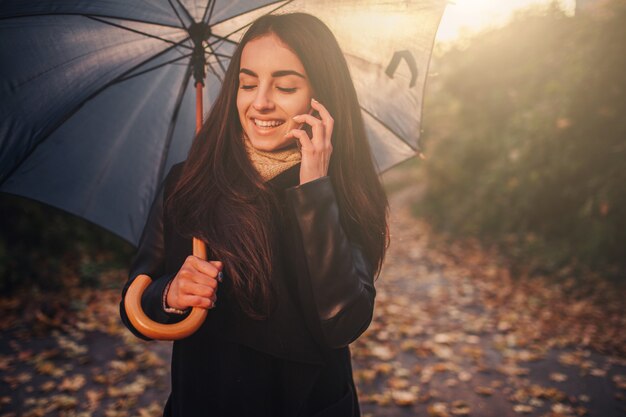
<point x="98" y="97"/>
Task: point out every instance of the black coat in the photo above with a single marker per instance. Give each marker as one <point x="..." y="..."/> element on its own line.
<point x="297" y="362"/>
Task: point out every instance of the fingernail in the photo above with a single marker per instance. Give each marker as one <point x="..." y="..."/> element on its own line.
<point x="296" y="117"/>
<point x="313" y="100"/>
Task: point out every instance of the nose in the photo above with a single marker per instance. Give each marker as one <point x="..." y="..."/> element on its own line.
<point x="263" y="100"/>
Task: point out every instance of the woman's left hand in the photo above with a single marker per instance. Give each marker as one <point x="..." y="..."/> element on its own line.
<point x="316" y="151"/>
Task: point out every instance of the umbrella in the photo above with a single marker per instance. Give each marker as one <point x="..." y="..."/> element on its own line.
<point x="98" y="97"/>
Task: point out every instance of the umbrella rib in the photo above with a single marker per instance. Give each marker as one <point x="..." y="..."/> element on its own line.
<point x="137" y="31"/>
<point x="225" y="38"/>
<point x="253" y="9"/>
<point x="185" y="10"/>
<point x="204" y="16"/>
<point x="180" y="19"/>
<point x="172" y="61"/>
<point x="221" y="38"/>
<point x="170" y="130"/>
<point x="67" y="116"/>
<point x="386" y="126"/>
<point x="218" y="53"/>
<point x="91" y="15"/>
<point x="218" y="61"/>
<point x="214" y="72"/>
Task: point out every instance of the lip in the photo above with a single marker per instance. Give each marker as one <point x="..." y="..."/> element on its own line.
<point x="266" y="119"/>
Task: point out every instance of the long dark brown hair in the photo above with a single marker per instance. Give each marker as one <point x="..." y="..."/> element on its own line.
<point x="220" y="197"/>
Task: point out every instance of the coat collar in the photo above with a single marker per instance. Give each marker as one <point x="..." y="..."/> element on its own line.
<point x="286" y="179"/>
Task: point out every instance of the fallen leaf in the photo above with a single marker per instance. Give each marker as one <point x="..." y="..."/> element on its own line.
<point x="464" y="376"/>
<point x="438" y="410"/>
<point x="398" y="383"/>
<point x="558" y="377"/>
<point x="72" y="383"/>
<point x="486" y="391"/>
<point x="403" y="398"/>
<point x="460" y="408"/>
<point x="523" y="409"/>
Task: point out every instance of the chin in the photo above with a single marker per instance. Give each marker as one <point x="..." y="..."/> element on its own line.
<point x="270" y="145"/>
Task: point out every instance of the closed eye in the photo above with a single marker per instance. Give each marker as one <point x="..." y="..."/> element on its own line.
<point x="287" y="90"/>
<point x="247" y="87"/>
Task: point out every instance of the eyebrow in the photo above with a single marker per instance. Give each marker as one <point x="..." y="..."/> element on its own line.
<point x="275" y="74"/>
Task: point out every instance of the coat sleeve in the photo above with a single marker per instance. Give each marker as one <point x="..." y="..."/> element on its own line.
<point x="150" y="259"/>
<point x="336" y="282"/>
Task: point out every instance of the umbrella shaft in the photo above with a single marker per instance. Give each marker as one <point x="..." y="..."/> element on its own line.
<point x="198" y="106"/>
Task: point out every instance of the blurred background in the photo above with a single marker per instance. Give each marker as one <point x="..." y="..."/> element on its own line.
<point x="525" y="134"/>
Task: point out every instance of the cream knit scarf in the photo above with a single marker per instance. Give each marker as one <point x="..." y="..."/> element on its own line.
<point x="270" y="164"/>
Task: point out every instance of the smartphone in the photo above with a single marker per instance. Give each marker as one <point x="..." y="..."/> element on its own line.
<point x="307" y="127"/>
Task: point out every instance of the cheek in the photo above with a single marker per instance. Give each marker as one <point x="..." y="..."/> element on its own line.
<point x="298" y="105"/>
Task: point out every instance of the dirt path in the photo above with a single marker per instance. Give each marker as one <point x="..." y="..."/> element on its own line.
<point x="453" y="334"/>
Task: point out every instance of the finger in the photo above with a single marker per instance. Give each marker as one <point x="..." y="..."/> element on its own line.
<point x="203" y="266"/>
<point x="316" y="124"/>
<point x="308" y="118"/>
<point x="194" y="276"/>
<point x="218" y="264"/>
<point x="302" y="137"/>
<point x="327" y="119"/>
<point x="197" y="301"/>
<point x="193" y="288"/>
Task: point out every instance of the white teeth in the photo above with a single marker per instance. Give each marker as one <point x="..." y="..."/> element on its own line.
<point x="267" y="123"/>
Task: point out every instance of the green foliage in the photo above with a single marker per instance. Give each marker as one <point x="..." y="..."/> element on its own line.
<point x="527" y="138"/>
<point x="44" y="248"/>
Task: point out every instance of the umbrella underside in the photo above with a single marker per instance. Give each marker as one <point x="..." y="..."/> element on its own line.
<point x="99" y="99"/>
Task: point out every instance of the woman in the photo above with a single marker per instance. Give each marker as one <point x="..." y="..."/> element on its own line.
<point x="281" y="186"/>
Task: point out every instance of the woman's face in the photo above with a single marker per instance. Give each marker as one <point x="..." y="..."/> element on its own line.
<point x="273" y="87"/>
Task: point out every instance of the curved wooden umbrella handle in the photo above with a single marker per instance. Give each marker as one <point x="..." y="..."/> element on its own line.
<point x="159" y="331"/>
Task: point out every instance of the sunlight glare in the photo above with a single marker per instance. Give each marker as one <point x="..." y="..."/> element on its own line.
<point x="462" y="18"/>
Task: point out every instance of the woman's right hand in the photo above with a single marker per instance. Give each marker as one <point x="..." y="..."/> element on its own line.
<point x="195" y="284"/>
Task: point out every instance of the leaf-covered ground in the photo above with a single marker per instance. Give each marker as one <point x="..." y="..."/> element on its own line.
<point x="454" y="334"/>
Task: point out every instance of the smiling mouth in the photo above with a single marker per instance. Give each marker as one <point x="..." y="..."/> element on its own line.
<point x="268" y="123"/>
